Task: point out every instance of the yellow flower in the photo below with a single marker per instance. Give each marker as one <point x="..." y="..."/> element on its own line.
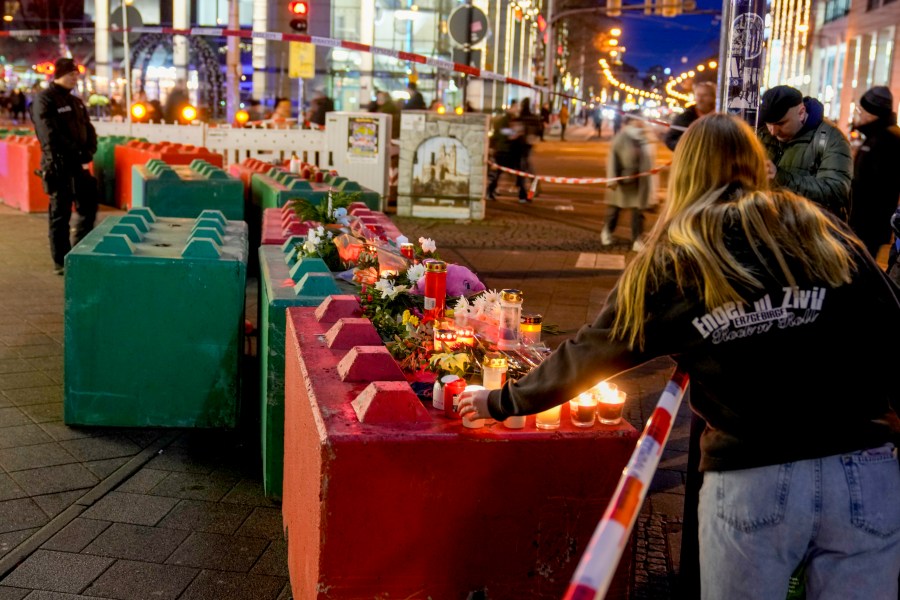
<point x="413" y="320"/>
<point x="406" y="316"/>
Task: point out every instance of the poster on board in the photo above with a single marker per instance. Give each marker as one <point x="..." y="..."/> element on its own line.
<point x="362" y="141"/>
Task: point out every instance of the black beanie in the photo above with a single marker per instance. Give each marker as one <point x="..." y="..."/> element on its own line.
<point x="879" y="101"/>
<point x="63" y="66"/>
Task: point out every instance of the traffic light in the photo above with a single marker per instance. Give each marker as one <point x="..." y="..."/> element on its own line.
<point x="300" y="11"/>
<point x="613" y="8"/>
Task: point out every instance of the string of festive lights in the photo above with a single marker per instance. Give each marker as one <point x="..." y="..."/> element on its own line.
<point x="789" y="31"/>
<point x="670" y="85"/>
<point x="607" y="73"/>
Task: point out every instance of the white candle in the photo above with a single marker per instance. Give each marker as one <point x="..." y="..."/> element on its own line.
<point x="473" y="423"/>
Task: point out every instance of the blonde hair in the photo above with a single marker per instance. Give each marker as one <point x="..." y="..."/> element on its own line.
<point x="716" y="154"/>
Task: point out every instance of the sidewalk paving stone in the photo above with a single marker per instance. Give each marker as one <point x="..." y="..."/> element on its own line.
<point x="220" y="552"/>
<point x="57" y="571"/>
<point x="22" y="513"/>
<point x="215" y="585"/>
<point x="130" y="580"/>
<point x="195" y="486"/>
<point x="50" y="480"/>
<point x="136" y="542"/>
<point x="131" y="508"/>
<point x="35" y="457"/>
<point x="207" y="517"/>
<point x="75" y="536"/>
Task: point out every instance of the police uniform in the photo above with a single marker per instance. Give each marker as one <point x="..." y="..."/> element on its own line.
<point x="68" y="141"/>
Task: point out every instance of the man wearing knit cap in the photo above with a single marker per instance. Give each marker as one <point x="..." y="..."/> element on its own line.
<point x="876" y="177"/>
<point x="807" y="153"/>
<point x="68" y="142"/>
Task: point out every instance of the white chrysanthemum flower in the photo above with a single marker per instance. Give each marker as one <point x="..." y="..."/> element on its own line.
<point x="492" y="297"/>
<point x="415" y="273"/>
<point x="384" y="286"/>
<point x="310" y="245"/>
<point x="479" y="305"/>
<point x="462" y="304"/>
<point x="427" y="244"/>
<point x="392" y="293"/>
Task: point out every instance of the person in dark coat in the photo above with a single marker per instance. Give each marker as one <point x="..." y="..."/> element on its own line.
<point x="321" y="105"/>
<point x="704" y="104"/>
<point x="506" y="147"/>
<point x="175" y="103"/>
<point x="68" y="143"/>
<point x="416" y="99"/>
<point x="876" y="179"/>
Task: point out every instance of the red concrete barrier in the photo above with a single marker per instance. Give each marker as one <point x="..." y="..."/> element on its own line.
<point x="410" y="504"/>
<point x="139" y="153"/>
<point x="245" y="171"/>
<point x="20" y="187"/>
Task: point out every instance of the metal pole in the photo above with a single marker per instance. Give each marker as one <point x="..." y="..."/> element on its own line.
<point x="127" y="45"/>
<point x="468" y="48"/>
<point x="549" y="52"/>
<point x="743" y="59"/>
<point x="233" y="64"/>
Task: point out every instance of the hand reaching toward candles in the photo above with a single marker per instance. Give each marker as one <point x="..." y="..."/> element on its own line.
<point x="473" y="404"/>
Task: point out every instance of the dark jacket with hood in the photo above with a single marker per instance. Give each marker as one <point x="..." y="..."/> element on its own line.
<point x="679" y="124"/>
<point x="789" y="375"/>
<point x="876" y="182"/>
<point x="816" y="162"/>
<point x="63" y="127"/>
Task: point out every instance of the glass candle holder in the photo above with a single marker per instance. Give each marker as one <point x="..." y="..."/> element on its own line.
<point x="444" y="338"/>
<point x="510" y="315"/>
<point x="452" y="390"/>
<point x="609" y="409"/>
<point x="549" y="419"/>
<point x="408" y="250"/>
<point x="435" y="289"/>
<point x="530" y="329"/>
<point x="473" y="423"/>
<point x="465" y="336"/>
<point x="583" y="410"/>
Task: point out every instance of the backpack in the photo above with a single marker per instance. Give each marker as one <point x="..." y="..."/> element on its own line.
<point x="820" y="141"/>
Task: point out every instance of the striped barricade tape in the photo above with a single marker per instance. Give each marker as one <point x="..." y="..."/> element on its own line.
<point x="599" y="561"/>
<point x="317" y="41"/>
<point x="579" y="180"/>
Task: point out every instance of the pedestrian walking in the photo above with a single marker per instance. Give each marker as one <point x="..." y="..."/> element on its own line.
<point x="768" y="305"/>
<point x="176" y="101"/>
<point x="876" y="179"/>
<point x="704" y="104"/>
<point x="563" y="120"/>
<point x="629" y="154"/>
<point x="545" y="119"/>
<point x="528" y="126"/>
<point x="68" y="143"/>
<point x="807" y="153"/>
<point x="506" y="145"/>
<point x="416" y="99"/>
<point x="319" y="107"/>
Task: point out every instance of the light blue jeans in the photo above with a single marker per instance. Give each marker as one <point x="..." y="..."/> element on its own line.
<point x="839" y="514"/>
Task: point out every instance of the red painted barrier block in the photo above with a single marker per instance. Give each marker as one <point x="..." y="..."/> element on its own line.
<point x="277" y="228"/>
<point x="245" y="171"/>
<point x="21" y="187"/>
<point x="389" y="403"/>
<point x="338" y="307"/>
<point x="431" y="510"/>
<point x="350" y="332"/>
<point x="369" y="363"/>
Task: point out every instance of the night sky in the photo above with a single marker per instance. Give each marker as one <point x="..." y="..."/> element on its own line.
<point x="652" y="40"/>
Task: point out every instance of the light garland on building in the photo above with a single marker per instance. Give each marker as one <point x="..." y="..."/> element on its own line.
<point x="607" y="73"/>
<point x="785" y="58"/>
<point x="670" y="86"/>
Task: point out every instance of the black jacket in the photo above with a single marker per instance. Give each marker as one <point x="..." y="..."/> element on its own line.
<point x="876" y="181"/>
<point x="63" y="127"/>
<point x="683" y="120"/>
<point x="416" y="101"/>
<point x="790" y="375"/>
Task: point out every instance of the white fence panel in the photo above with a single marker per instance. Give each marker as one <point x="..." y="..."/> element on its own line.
<point x="267" y="144"/>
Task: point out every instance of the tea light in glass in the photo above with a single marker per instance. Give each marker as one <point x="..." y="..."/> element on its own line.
<point x="609" y="409"/>
<point x="444" y="338"/>
<point x="549" y="419"/>
<point x="530" y="329"/>
<point x="583" y="410"/>
<point x="408" y="250"/>
<point x="473" y="423"/>
<point x="465" y="336"/>
<point x="510" y="315"/>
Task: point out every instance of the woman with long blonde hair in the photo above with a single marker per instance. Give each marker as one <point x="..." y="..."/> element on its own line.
<point x="769" y="304"/>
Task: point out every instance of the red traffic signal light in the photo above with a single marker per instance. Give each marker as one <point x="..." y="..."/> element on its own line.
<point x="300" y="10"/>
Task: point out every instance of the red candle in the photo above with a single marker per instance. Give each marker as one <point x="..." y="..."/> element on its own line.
<point x="435" y="289"/>
<point x="408" y="250"/>
<point x="452" y="391"/>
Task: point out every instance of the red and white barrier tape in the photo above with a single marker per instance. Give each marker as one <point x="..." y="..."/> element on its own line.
<point x="598" y="564"/>
<point x="579" y="180"/>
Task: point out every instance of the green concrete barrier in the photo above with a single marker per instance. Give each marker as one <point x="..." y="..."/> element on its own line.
<point x="306" y="282"/>
<point x="278" y="187"/>
<point x="105" y="165"/>
<point x="184" y="191"/>
<point x="154" y="318"/>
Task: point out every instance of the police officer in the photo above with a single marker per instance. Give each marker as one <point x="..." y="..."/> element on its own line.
<point x="68" y="142"/>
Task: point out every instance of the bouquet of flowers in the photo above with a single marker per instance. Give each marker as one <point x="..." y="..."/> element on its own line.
<point x="319" y="244"/>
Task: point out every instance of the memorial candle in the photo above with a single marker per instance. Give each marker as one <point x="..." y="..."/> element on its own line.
<point x="549" y="419"/>
<point x="510" y="315"/>
<point x="465" y="336"/>
<point x="611" y="403"/>
<point x="530" y="329"/>
<point x="408" y="250"/>
<point x="435" y="289"/>
<point x="583" y="410"/>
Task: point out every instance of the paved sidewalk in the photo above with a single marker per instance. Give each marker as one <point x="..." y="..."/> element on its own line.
<point x="133" y="514"/>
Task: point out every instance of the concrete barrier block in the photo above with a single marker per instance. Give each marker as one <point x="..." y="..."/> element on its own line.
<point x="350" y="332"/>
<point x="369" y="363"/>
<point x="389" y="402"/>
<point x="338" y="307"/>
